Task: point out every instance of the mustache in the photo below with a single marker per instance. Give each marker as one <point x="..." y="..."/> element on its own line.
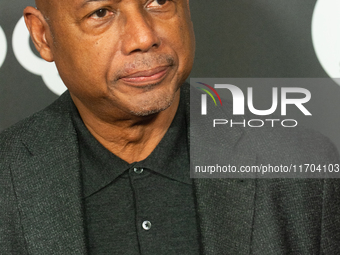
<point x="143" y="63"/>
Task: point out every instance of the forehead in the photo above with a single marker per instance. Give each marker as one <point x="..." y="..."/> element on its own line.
<point x="44" y="4"/>
<point x="50" y="8"/>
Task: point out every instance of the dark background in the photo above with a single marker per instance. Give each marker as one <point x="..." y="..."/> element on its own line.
<point x="234" y="38"/>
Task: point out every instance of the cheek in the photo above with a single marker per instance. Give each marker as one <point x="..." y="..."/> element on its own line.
<point x="84" y="64"/>
<point x="182" y="42"/>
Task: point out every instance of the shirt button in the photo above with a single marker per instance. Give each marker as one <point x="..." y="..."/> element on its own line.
<point x="146" y="225"/>
<point x="138" y="170"/>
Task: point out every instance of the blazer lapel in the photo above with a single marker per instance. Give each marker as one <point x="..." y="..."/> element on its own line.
<point x="225" y="207"/>
<point x="47" y="183"/>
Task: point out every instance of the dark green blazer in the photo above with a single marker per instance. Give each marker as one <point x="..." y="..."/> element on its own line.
<point x="41" y="210"/>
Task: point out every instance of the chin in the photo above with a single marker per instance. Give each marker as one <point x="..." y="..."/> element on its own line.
<point x="152" y="105"/>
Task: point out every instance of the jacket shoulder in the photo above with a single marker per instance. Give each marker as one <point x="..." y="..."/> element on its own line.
<point x="52" y="117"/>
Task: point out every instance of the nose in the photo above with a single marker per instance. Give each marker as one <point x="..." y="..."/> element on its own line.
<point x="139" y="34"/>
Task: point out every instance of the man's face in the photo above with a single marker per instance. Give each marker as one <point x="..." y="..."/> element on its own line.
<point x="126" y="56"/>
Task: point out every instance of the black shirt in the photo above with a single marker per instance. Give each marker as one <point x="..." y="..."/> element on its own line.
<point x="146" y="207"/>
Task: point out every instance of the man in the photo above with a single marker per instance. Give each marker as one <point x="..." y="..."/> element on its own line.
<point x="105" y="169"/>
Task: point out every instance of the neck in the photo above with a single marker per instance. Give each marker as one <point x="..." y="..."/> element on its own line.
<point x="132" y="139"/>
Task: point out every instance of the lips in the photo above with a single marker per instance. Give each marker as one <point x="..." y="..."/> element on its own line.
<point x="146" y="76"/>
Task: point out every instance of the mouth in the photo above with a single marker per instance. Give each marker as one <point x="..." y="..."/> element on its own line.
<point x="145" y="77"/>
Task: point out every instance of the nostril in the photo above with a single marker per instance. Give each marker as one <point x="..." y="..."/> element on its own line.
<point x="155" y="45"/>
<point x="135" y="51"/>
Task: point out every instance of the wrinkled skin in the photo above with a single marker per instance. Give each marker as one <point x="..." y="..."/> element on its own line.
<point x="123" y="62"/>
<point x="92" y="53"/>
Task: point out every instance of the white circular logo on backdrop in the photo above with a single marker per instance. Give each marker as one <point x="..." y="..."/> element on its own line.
<point x="3" y="46"/>
<point x="32" y="63"/>
<point x="326" y="36"/>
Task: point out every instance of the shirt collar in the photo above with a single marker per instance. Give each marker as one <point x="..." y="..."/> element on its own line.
<point x="171" y="156"/>
<point x="100" y="167"/>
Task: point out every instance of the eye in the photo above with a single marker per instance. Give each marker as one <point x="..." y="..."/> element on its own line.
<point x="101" y="13"/>
<point x="157" y="3"/>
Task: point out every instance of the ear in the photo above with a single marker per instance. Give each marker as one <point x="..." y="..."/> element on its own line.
<point x="39" y="31"/>
<point x="188" y="6"/>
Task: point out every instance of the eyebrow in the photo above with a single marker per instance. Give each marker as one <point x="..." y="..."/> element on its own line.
<point x="85" y="2"/>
